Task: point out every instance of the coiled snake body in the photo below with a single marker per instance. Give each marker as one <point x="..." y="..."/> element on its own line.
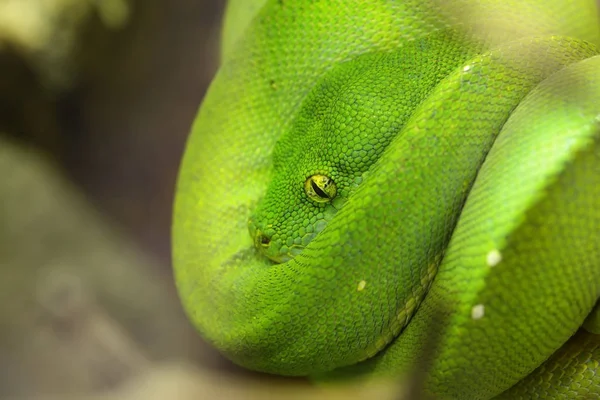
<point x="366" y="178"/>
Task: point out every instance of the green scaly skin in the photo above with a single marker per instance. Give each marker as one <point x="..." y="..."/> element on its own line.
<point x="375" y="187"/>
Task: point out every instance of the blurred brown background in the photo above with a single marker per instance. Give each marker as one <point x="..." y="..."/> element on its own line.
<point x="128" y="120"/>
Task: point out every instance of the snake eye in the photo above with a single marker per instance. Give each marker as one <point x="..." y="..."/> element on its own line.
<point x="320" y="188"/>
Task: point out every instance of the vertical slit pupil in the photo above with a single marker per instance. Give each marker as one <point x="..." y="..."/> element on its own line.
<point x="318" y="190"/>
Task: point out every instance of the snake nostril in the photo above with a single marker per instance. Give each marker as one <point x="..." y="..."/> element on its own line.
<point x="264" y="240"/>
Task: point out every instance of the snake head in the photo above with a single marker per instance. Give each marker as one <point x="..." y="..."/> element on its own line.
<point x="339" y="132"/>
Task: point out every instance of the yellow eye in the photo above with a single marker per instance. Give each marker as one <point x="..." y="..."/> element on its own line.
<point x="320" y="188"/>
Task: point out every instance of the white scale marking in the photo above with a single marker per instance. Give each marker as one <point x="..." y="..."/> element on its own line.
<point x="493" y="258"/>
<point x="478" y="311"/>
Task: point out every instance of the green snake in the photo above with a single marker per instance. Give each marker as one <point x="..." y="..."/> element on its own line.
<point x="375" y="187"/>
